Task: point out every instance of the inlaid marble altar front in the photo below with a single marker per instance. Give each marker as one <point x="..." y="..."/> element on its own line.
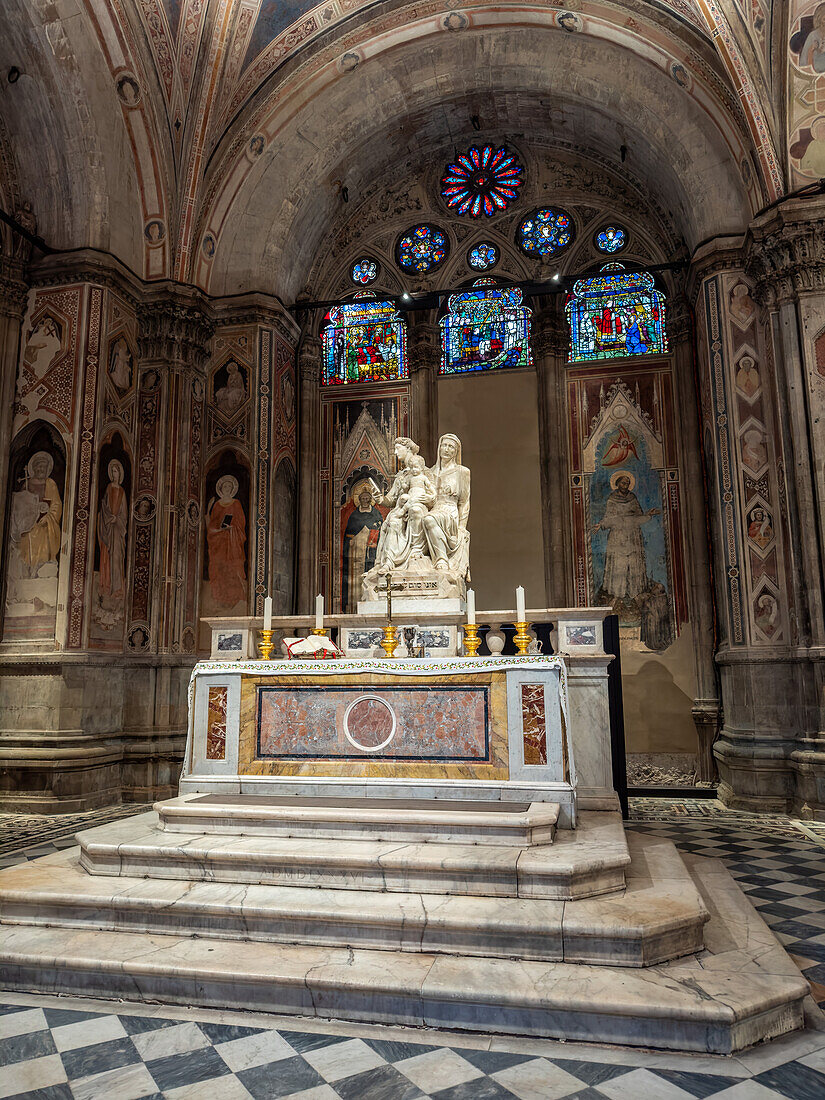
<point x="485" y="722"/>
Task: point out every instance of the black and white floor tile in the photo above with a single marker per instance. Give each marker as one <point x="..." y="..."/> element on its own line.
<point x="54" y="1048"/>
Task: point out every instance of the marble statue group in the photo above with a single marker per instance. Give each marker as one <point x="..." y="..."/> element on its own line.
<point x="425" y="533"/>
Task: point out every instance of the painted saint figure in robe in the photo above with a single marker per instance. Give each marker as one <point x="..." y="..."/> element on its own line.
<point x="112" y="523"/>
<point x="226" y="542"/>
<point x="361" y="536"/>
<point x="33" y="548"/>
<point x="232" y="394"/>
<point x="625" y="568"/>
<point x="35" y="517"/>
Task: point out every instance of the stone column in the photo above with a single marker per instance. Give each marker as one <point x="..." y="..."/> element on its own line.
<point x="785" y="258"/>
<point x="174" y="343"/>
<point x="757" y="440"/>
<point x="550" y="346"/>
<point x="706" y="707"/>
<point x="424" y="344"/>
<point x="13" y="296"/>
<point x="309" y="442"/>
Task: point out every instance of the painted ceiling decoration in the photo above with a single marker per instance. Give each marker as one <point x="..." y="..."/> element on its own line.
<point x="228" y="69"/>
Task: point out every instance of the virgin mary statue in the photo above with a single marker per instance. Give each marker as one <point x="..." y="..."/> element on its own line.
<point x="445" y="526"/>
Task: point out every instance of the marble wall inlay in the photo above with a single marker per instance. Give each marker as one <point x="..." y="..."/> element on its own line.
<point x="216" y="724"/>
<point x="410" y="723"/>
<point x="534" y="723"/>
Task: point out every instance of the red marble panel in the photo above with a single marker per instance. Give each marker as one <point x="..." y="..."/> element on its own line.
<point x="431" y="723"/>
<point x="216" y="724"/>
<point x="534" y="724"/>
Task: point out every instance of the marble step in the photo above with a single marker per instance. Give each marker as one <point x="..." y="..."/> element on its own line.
<point x="584" y="863"/>
<point x="740" y="990"/>
<point x="517" y="824"/>
<point x="651" y="921"/>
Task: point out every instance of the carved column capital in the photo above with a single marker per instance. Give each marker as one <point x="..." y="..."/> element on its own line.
<point x="175" y="333"/>
<point x="309" y="360"/>
<point x="679" y="320"/>
<point x="424" y="346"/>
<point x="14" y="290"/>
<point x="785" y="252"/>
<point x="551" y="335"/>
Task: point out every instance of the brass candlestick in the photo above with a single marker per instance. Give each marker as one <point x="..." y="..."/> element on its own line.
<point x="389" y="642"/>
<point x="471" y="639"/>
<point x="321" y="630"/>
<point x="265" y="645"/>
<point x="522" y="638"/>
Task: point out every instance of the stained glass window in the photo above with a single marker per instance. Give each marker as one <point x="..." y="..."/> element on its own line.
<point x="486" y="328"/>
<point x="611" y="239"/>
<point x="483" y="256"/>
<point x="423" y="248"/>
<point x="482" y="181"/>
<point x="616" y="313"/>
<point x="545" y="231"/>
<point x="364" y="271"/>
<point x="364" y="342"/>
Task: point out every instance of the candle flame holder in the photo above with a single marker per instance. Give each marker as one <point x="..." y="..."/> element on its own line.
<point x="522" y="638"/>
<point x="320" y="630"/>
<point x="471" y="639"/>
<point x="266" y="645"/>
<point x="389" y="642"/>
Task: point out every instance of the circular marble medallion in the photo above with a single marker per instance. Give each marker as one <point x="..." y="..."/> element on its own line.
<point x="369" y="723"/>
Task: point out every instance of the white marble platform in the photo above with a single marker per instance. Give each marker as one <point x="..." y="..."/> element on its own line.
<point x="590" y="860"/>
<point x="742" y="988"/>
<point x="649" y="922"/>
<point x="420" y="820"/>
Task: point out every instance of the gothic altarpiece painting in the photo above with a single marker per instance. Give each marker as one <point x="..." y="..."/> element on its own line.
<point x="357" y="465"/>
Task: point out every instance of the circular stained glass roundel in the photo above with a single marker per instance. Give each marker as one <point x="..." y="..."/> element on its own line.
<point x="611" y="239"/>
<point x="483" y="257"/>
<point x="423" y="248"/>
<point x="545" y="231"/>
<point x="364" y="271"/>
<point x="482" y="181"/>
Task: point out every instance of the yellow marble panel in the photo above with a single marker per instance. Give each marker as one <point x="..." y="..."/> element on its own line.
<point x="372" y="767"/>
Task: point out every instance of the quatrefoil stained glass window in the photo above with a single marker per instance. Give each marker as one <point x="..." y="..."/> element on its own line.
<point x="482" y="181"/>
<point x="611" y="239"/>
<point x="423" y="248"/>
<point x="483" y="256"/>
<point x="545" y="232"/>
<point x="364" y="271"/>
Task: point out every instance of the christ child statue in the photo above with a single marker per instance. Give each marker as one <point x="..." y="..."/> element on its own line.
<point x="417" y="487"/>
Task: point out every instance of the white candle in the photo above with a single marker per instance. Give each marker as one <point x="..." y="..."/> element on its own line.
<point x="268" y="613"/>
<point x="521" y="614"/>
<point x="471" y="607"/>
<point x="319" y="612"/>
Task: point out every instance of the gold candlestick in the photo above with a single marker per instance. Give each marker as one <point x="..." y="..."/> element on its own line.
<point x="320" y="630"/>
<point x="471" y="639"/>
<point x="389" y="642"/>
<point x="522" y="638"/>
<point x="265" y="645"/>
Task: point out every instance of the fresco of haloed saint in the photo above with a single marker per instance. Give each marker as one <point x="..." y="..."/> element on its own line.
<point x="225" y="588"/>
<point x="34" y="535"/>
<point x="628" y="539"/>
<point x="114" y="488"/>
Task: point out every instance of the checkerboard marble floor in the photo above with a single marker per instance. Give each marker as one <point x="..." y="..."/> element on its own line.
<point x="53" y="1048"/>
